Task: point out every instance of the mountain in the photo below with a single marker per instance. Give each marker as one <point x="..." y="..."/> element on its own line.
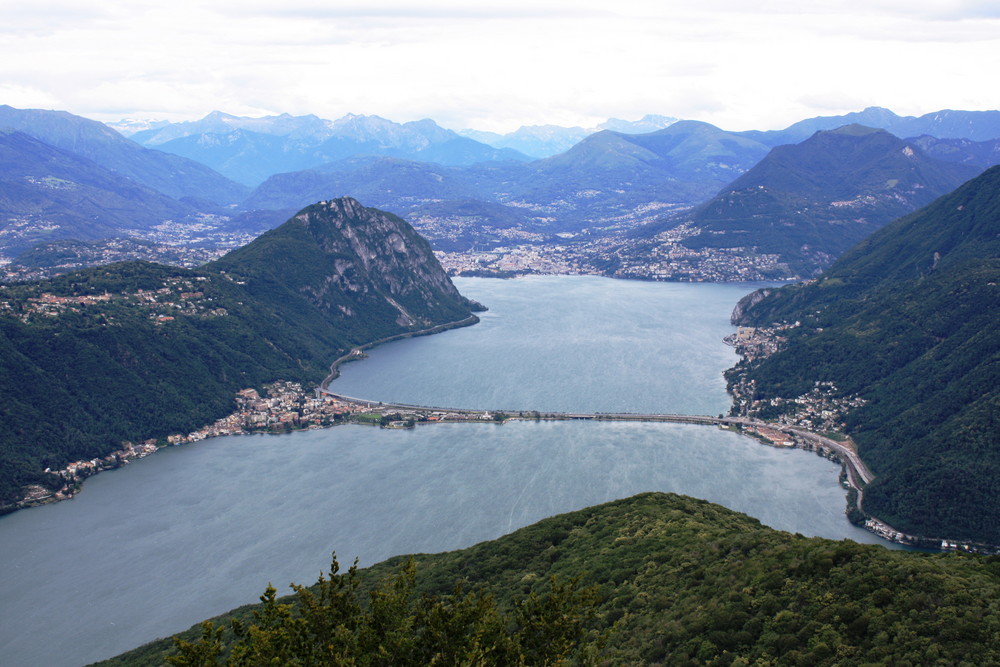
<point x="344" y="259"/>
<point x="607" y="180"/>
<point x="536" y="141"/>
<point x="129" y="126"/>
<point x="973" y="125"/>
<point x="47" y="193"/>
<point x="251" y="149"/>
<point x="539" y="141"/>
<point x="677" y="581"/>
<point x="906" y="320"/>
<point x="308" y="128"/>
<point x="981" y="154"/>
<point x="174" y="176"/>
<point x="136" y="350"/>
<point x="608" y="176"/>
<point x="646" y="124"/>
<point x="389" y="183"/>
<point x="809" y="202"/>
<point x="685" y="151"/>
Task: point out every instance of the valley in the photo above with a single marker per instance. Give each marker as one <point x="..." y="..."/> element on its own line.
<point x="276" y="505"/>
<point x="132" y="272"/>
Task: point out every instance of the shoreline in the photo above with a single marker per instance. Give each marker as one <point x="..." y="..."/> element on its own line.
<point x="822" y="411"/>
<point x="357" y="353"/>
<point x="76" y="472"/>
<point x="855" y="473"/>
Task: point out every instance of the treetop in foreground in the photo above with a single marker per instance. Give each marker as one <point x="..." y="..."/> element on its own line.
<point x="677" y="581"/>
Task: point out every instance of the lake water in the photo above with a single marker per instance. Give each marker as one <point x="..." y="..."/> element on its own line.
<point x="193" y="531"/>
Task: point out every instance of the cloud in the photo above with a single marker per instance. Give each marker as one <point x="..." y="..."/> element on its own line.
<point x="519" y="62"/>
<point x="834" y="102"/>
<point x="25" y="97"/>
<point x="24" y="18"/>
<point x="320" y="10"/>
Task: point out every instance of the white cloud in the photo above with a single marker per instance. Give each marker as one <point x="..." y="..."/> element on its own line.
<point x="496" y="67"/>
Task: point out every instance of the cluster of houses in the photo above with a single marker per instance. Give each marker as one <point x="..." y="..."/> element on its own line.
<point x="284" y="406"/>
<point x="753" y="343"/>
<point x="663" y="258"/>
<point x="820" y="409"/>
<point x="178" y="295"/>
<point x="77" y="471"/>
<point x="888" y="532"/>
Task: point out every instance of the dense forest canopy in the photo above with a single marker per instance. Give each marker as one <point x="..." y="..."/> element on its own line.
<point x="907" y="319"/>
<point x="666" y="579"/>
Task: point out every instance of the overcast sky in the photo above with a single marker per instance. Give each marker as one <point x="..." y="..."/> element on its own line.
<point x="504" y="64"/>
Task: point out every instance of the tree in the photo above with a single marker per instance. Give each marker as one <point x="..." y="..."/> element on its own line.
<point x="332" y="623"/>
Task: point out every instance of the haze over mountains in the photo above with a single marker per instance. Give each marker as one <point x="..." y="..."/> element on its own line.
<point x="248" y="150"/>
<point x="809" y="202"/>
<point x="465" y="194"/>
<point x="540" y="141"/>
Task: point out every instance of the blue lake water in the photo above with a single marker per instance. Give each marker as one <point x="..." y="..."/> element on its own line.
<point x="193" y="531"/>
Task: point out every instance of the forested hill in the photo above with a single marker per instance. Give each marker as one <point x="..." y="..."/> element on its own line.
<point x="136" y="350"/>
<point x="810" y="202"/>
<point x="678" y="581"/>
<point x="348" y="261"/>
<point x="907" y="319"/>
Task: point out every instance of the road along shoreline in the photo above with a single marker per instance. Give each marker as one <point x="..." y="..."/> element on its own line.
<point x="856" y="474"/>
<point x="359" y="352"/>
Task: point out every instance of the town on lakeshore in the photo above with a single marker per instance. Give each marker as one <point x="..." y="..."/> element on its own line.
<point x="813" y="420"/>
<point x="288" y="406"/>
<point x="662" y="257"/>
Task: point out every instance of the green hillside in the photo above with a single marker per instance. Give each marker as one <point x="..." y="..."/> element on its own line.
<point x="47" y="193"/>
<point x="680" y="581"/>
<point x="137" y="350"/>
<point x="907" y="319"/>
<point x="810" y="202"/>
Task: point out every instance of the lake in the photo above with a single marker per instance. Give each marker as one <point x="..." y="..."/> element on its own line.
<point x="193" y="531"/>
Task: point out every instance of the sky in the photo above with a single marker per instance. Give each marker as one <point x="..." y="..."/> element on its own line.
<point x="499" y="65"/>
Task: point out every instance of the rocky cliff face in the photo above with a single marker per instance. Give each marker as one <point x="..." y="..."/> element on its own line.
<point x="346" y="259"/>
<point x="746" y="303"/>
<point x="378" y="252"/>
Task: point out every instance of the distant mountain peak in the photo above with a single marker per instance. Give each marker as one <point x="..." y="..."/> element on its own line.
<point x="855" y="130"/>
<point x="809" y="202"/>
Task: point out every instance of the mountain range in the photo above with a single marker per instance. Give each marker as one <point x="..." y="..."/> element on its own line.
<point x="906" y="320"/>
<point x="167" y="173"/>
<point x="607" y="183"/>
<point x="540" y="141"/>
<point x="944" y="124"/>
<point x="606" y="180"/>
<point x="811" y="201"/>
<point x="248" y="150"/>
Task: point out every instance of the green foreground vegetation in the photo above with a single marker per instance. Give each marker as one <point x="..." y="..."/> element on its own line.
<point x="653" y="579"/>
